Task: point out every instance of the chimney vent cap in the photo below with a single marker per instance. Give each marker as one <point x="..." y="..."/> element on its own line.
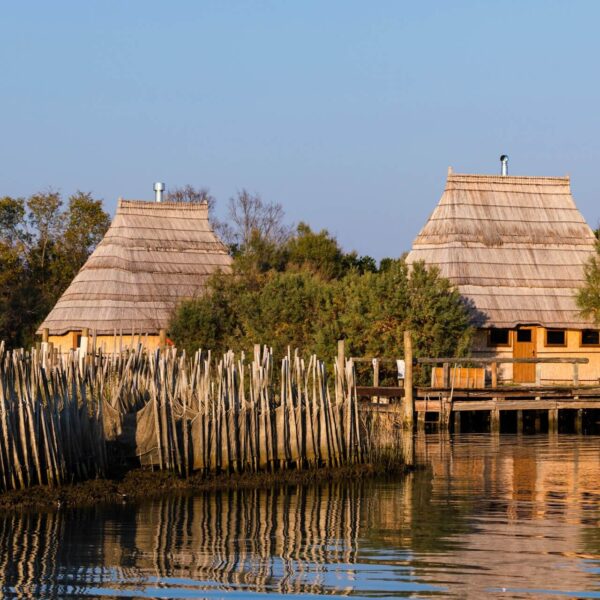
<point x="159" y="188"/>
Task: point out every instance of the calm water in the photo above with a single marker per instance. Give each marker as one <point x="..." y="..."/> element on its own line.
<point x="506" y="517"/>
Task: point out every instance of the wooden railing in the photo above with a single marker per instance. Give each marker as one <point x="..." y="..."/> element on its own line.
<point x="494" y="362"/>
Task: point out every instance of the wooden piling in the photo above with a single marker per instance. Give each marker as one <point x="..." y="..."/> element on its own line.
<point x="456" y="422"/>
<point x="408" y="403"/>
<point x="375" y="399"/>
<point x="553" y="420"/>
<point x="520" y="422"/>
<point x="579" y="421"/>
<point x="495" y="420"/>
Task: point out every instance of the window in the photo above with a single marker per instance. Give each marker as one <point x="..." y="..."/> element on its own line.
<point x="590" y="337"/>
<point x="524" y="335"/>
<point x="499" y="337"/>
<point x="556" y="337"/>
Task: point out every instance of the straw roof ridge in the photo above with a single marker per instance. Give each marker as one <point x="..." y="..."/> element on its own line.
<point x="515" y="246"/>
<point x="153" y="256"/>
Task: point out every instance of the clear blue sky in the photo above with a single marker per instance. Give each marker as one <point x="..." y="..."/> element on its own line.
<point x="348" y="113"/>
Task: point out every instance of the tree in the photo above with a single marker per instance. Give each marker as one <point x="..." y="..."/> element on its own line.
<point x="42" y="247"/>
<point x="318" y="253"/>
<point x="290" y="310"/>
<point x="302" y="309"/>
<point x="12" y="269"/>
<point x="85" y="224"/>
<point x="588" y="297"/>
<point x="191" y="194"/>
<point x="250" y="217"/>
<point x="211" y="322"/>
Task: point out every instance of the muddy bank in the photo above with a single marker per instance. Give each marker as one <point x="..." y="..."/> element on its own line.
<point x="140" y="483"/>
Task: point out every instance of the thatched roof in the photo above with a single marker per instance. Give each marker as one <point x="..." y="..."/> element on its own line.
<point x="152" y="256"/>
<point x="514" y="246"/>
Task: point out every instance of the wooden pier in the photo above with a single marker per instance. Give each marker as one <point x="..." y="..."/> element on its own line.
<point x="490" y="405"/>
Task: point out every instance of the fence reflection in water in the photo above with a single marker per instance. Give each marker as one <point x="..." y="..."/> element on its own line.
<point x="519" y="513"/>
<point x="282" y="540"/>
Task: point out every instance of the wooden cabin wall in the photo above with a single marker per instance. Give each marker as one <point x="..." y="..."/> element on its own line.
<point x="68" y="341"/>
<point x="550" y="373"/>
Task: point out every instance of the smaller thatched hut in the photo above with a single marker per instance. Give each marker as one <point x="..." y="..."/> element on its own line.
<point x="515" y="248"/>
<point x="154" y="255"/>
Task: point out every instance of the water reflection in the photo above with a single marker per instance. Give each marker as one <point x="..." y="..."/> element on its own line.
<point x="509" y="517"/>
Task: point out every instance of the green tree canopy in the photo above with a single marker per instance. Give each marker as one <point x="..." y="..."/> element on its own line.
<point x="303" y="309"/>
<point x="42" y="246"/>
<point x="588" y="297"/>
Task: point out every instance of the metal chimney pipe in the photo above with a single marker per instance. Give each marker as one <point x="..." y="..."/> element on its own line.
<point x="159" y="188"/>
<point x="504" y="163"/>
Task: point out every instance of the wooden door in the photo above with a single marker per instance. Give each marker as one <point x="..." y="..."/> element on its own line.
<point x="524" y="347"/>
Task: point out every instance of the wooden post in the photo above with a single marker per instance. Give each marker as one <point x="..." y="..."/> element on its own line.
<point x="446" y="375"/>
<point x="538" y="374"/>
<point x="341" y="356"/>
<point x="579" y="421"/>
<point x="45" y="335"/>
<point x="520" y="422"/>
<point x="575" y="374"/>
<point x="162" y="339"/>
<point x="456" y="421"/>
<point x="409" y="404"/>
<point x="495" y="420"/>
<point x="83" y="345"/>
<point x="537" y="423"/>
<point x="553" y="420"/>
<point x="421" y="415"/>
<point x="494" y="368"/>
<point x="375" y="399"/>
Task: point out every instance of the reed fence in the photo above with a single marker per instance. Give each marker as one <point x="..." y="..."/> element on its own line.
<point x="59" y="413"/>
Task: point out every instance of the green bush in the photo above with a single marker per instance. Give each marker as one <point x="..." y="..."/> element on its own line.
<point x="307" y="294"/>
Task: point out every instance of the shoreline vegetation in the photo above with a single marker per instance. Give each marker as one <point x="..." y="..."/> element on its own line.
<point x="138" y="484"/>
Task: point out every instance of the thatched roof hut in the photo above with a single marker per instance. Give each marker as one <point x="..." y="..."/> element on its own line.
<point x="153" y="256"/>
<point x="514" y="246"/>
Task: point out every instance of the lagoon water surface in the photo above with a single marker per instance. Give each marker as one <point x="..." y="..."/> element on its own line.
<point x="503" y="516"/>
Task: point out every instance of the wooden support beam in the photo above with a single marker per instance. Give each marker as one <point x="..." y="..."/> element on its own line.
<point x="579" y="421"/>
<point x="494" y="369"/>
<point x="495" y="420"/>
<point x="537" y="423"/>
<point x="421" y="416"/>
<point x="408" y="403"/>
<point x="575" y="374"/>
<point x="162" y="339"/>
<point x="45" y="334"/>
<point x="486" y="361"/>
<point x="553" y="420"/>
<point x="381" y="391"/>
<point x="446" y="375"/>
<point x="375" y="399"/>
<point x="520" y="422"/>
<point x="457" y="422"/>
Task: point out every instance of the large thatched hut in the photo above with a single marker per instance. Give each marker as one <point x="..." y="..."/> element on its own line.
<point x="153" y="255"/>
<point x="515" y="248"/>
